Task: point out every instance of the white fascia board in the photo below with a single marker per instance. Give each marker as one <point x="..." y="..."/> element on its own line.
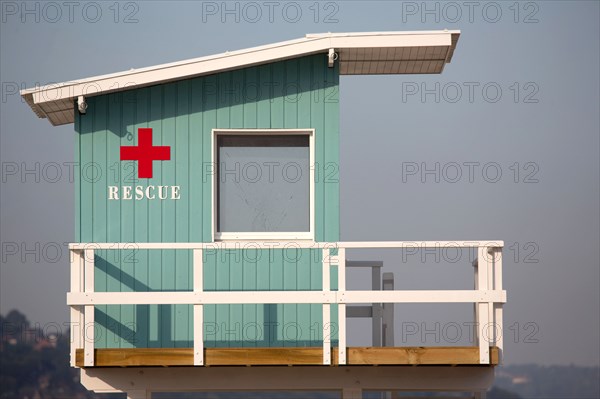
<point x="168" y="65"/>
<point x="382" y="33"/>
<point x="440" y="39"/>
<point x="231" y="60"/>
<point x="169" y="72"/>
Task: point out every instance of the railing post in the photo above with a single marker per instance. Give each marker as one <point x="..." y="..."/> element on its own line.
<point x="326" y="308"/>
<point x="77" y="323"/>
<point x="341" y="262"/>
<point x="198" y="263"/>
<point x="376" y="316"/>
<point x="89" y="336"/>
<point x="498" y="319"/>
<point x="475" y="305"/>
<point x="388" y="312"/>
<point x="483" y="312"/>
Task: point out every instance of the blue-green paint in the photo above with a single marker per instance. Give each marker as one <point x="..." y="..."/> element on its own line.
<point x="297" y="93"/>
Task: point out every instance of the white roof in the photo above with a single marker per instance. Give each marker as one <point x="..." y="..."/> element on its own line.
<point x="368" y="53"/>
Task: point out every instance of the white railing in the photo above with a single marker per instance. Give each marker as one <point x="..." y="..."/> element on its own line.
<point x="487" y="296"/>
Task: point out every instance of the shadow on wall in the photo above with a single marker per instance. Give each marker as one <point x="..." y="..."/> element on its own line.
<point x="171" y="326"/>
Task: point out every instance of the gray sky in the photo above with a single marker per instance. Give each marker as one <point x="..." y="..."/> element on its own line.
<point x="520" y="98"/>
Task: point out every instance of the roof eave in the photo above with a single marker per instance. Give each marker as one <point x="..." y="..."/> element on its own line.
<point x="58" y="99"/>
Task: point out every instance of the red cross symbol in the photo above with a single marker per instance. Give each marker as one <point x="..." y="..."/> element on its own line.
<point x="145" y="153"/>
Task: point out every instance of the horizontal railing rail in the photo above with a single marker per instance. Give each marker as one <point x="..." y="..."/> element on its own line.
<point x="487" y="295"/>
<point x="281" y="297"/>
<point x="279" y="244"/>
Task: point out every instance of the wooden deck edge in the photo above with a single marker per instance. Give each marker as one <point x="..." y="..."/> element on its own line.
<point x="416" y="356"/>
<point x="356" y="356"/>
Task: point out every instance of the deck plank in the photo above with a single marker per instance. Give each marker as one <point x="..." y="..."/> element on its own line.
<point x="356" y="356"/>
<point x="415" y="356"/>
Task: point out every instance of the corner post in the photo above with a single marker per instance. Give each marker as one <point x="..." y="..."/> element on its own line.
<point x="198" y="265"/>
<point x="341" y="306"/>
<point x="89" y="336"/>
<point x="326" y="307"/>
<point x="77" y="324"/>
<point x="483" y="312"/>
<point x="498" y="317"/>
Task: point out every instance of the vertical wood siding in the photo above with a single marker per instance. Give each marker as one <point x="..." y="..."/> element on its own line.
<point x="297" y="93"/>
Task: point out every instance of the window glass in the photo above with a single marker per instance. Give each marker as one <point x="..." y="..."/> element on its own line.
<point x="263" y="183"/>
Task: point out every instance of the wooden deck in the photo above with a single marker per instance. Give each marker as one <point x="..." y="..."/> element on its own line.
<point x="356" y="356"/>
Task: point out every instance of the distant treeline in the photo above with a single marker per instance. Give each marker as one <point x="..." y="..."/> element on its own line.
<point x="550" y="382"/>
<point x="34" y="363"/>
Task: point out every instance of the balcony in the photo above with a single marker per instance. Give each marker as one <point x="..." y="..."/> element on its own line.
<point x="487" y="297"/>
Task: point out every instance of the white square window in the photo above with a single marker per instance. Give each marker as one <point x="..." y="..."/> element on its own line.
<point x="264" y="184"/>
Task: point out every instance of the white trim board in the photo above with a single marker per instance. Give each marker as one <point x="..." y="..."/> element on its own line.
<point x="269" y="244"/>
<point x="433" y="48"/>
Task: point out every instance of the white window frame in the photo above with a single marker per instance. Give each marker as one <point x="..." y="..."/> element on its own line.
<point x="264" y="236"/>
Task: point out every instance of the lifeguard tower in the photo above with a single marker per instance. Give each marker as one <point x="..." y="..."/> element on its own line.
<point x="208" y="253"/>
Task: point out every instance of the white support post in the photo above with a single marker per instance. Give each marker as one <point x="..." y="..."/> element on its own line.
<point x="342" y="307"/>
<point x="89" y="334"/>
<point x="198" y="309"/>
<point x="326" y="334"/>
<point x="491" y="335"/>
<point x="326" y="308"/>
<point x="76" y="260"/>
<point x="498" y="317"/>
<point x="139" y="394"/>
<point x="475" y="305"/>
<point x="352" y="393"/>
<point x="483" y="314"/>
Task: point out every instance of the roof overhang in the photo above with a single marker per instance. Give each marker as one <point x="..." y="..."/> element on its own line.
<point x="371" y="53"/>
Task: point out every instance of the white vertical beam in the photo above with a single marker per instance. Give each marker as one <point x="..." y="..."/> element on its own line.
<point x="342" y="307"/>
<point x="480" y="394"/>
<point x="476" y="305"/>
<point x="491" y="335"/>
<point x="139" y="394"/>
<point x="352" y="393"/>
<point x="498" y="317"/>
<point x="76" y="260"/>
<point x="81" y="308"/>
<point x="326" y="308"/>
<point x="198" y="309"/>
<point x="483" y="316"/>
<point x="89" y="326"/>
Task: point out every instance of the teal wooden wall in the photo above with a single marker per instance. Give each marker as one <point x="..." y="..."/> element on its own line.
<point x="297" y="93"/>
